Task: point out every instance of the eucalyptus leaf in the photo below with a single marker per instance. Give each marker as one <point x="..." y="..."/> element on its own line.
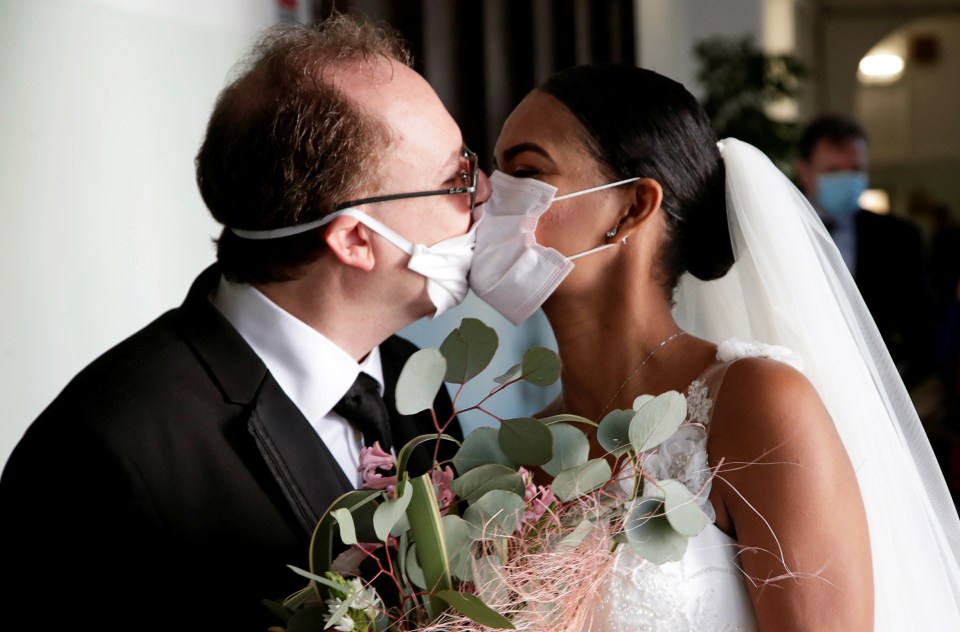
<point x="480" y="447"/>
<point x="359" y="502"/>
<point x="641" y="400"/>
<point x="404" y="455"/>
<point x="513" y="373"/>
<point x="460" y="535"/>
<point x="420" y="380"/>
<point x="650" y="534"/>
<point x="613" y="433"/>
<point x="541" y="366"/>
<point x="390" y="512"/>
<point x="496" y="513"/>
<point x="414" y="572"/>
<point x="480" y="480"/>
<point x="473" y="607"/>
<point x="581" y="479"/>
<point x="345" y="521"/>
<point x="683" y="513"/>
<point x="570" y="448"/>
<point x="657" y="420"/>
<point x="573" y="539"/>
<point x="564" y="417"/>
<point x="468" y="350"/>
<point x="488" y="579"/>
<point x="526" y="440"/>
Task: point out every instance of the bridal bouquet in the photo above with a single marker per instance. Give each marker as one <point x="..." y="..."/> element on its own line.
<point x="516" y="532"/>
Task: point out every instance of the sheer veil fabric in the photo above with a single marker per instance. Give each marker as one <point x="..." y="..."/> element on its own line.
<point x="789" y="286"/>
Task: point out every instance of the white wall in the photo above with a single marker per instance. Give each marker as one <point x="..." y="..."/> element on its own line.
<point x="104" y="106"/>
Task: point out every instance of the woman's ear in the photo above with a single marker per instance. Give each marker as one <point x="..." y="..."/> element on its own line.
<point x="647" y="194"/>
<point x="350" y="241"/>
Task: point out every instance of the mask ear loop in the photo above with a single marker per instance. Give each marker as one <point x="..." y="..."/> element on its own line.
<point x="591" y="190"/>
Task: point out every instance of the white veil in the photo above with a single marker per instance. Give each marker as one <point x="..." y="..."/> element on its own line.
<point x="789" y="286"/>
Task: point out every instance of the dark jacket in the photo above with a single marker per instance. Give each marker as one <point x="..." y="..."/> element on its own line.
<point x="170" y="483"/>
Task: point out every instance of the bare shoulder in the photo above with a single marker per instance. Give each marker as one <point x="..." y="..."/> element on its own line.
<point x="763" y="402"/>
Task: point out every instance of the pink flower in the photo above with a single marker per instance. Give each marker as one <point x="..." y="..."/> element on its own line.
<point x="373" y="459"/>
<point x="441" y="480"/>
<point x="536" y="498"/>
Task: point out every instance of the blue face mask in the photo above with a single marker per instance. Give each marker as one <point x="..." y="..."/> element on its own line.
<point x="838" y="193"/>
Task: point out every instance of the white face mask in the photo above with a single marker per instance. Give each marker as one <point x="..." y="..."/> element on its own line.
<point x="445" y="264"/>
<point x="512" y="272"/>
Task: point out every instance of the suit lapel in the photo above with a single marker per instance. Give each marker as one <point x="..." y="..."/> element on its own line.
<point x="299" y="462"/>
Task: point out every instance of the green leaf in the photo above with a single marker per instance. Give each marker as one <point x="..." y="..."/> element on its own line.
<point x="460" y="535"/>
<point x="497" y="513"/>
<point x="307" y="620"/>
<point x="570" y="448"/>
<point x="414" y="572"/>
<point x="573" y="539"/>
<point x="345" y="520"/>
<point x="468" y="350"/>
<point x="541" y="366"/>
<point x="526" y="440"/>
<point x="641" y="400"/>
<point x="513" y="373"/>
<point x="389" y="513"/>
<point x="683" y="513"/>
<point x="613" y="433"/>
<point x="581" y="479"/>
<point x="650" y="534"/>
<point x="420" y="380"/>
<point x="480" y="447"/>
<point x="480" y="480"/>
<point x="657" y="420"/>
<point x="473" y="607"/>
<point x="360" y="503"/>
<point x="427" y="530"/>
<point x="404" y="455"/>
<point x="555" y="419"/>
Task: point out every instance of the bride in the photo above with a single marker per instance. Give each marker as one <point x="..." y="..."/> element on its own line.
<point x="664" y="260"/>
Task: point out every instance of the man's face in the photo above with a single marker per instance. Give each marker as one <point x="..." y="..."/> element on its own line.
<point x="830" y="157"/>
<point x="424" y="154"/>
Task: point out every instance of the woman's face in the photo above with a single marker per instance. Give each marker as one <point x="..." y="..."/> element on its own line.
<point x="542" y="139"/>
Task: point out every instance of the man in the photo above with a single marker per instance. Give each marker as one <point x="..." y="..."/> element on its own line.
<point x="884" y="254"/>
<point x="171" y="482"/>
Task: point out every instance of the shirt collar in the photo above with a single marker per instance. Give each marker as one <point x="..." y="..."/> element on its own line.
<point x="311" y="369"/>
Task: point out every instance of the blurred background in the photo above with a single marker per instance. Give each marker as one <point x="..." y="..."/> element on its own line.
<point x="105" y="103"/>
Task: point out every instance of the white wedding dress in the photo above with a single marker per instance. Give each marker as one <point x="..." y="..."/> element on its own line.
<point x="706" y="589"/>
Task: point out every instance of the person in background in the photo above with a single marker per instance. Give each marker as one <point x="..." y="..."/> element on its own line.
<point x="174" y="479"/>
<point x="884" y="254"/>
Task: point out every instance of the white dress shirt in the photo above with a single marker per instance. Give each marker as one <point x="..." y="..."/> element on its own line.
<point x="313" y="371"/>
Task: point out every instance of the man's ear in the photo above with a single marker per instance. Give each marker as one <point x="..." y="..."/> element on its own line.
<point x="647" y="196"/>
<point x="351" y="242"/>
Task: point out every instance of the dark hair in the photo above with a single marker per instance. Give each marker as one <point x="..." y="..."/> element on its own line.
<point x="640" y="123"/>
<point x="283" y="145"/>
<point x="836" y="128"/>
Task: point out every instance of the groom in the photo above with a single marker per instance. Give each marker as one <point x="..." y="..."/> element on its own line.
<point x="171" y="482"/>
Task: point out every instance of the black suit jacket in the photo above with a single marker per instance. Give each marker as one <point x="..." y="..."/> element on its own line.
<point x="891" y="276"/>
<point x="170" y="483"/>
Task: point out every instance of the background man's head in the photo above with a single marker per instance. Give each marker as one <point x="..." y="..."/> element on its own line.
<point x="833" y="162"/>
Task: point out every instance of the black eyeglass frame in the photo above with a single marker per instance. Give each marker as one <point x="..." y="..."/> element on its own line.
<point x="473" y="164"/>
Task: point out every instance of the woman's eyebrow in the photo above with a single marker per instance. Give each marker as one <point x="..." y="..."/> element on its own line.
<point x="519" y="148"/>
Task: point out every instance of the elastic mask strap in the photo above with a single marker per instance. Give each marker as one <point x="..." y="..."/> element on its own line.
<point x="387" y="233"/>
<point x="599" y="188"/>
<point x="591" y="251"/>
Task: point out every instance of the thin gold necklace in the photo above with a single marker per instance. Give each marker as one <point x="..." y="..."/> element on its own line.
<point x="637" y="370"/>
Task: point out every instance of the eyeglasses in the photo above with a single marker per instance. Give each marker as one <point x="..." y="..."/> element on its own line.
<point x="469" y="174"/>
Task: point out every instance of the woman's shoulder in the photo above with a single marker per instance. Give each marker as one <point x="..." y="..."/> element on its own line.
<point x="765" y="394"/>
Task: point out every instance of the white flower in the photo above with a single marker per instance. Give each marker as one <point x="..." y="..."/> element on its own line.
<point x="683" y="457"/>
<point x="366" y="603"/>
